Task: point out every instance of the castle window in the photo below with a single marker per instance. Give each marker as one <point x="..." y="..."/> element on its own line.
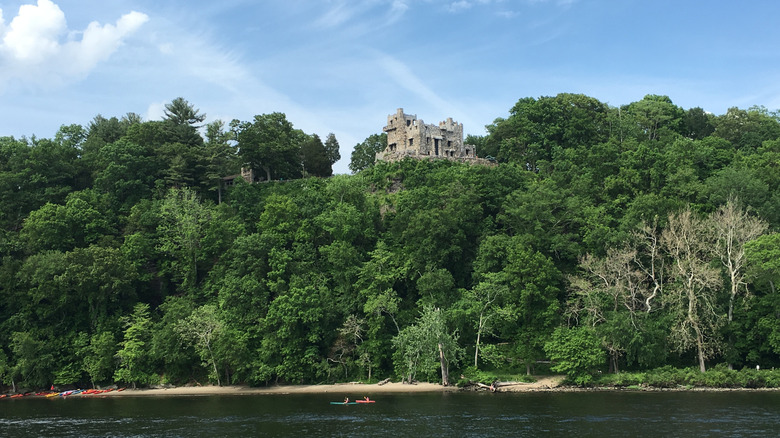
<point x="449" y="144"/>
<point x="411" y="142"/>
<point x="408" y="122"/>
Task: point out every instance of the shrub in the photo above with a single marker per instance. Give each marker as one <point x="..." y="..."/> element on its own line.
<point x="576" y="352"/>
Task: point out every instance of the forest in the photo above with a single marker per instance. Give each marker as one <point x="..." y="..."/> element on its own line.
<point x="606" y="240"/>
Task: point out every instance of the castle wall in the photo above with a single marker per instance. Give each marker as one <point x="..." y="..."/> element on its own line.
<point x="408" y="136"/>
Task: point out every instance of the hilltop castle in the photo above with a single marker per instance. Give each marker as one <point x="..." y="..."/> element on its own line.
<point x="409" y="137"/>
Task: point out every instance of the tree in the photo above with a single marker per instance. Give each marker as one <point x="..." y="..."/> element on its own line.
<point x="576" y="352"/>
<point x="693" y="286"/>
<point x="763" y="255"/>
<point x="427" y="345"/>
<point x="184" y="219"/>
<point x="332" y="148"/>
<point x="484" y="300"/>
<point x="293" y="329"/>
<point x="203" y="329"/>
<point x="98" y="359"/>
<point x="611" y="296"/>
<point x="698" y="124"/>
<point x="181" y="112"/>
<point x="656" y="116"/>
<point x="364" y="154"/>
<point x="34" y="360"/>
<point x="270" y="143"/>
<point x="733" y="228"/>
<point x="134" y="360"/>
<point x="314" y="158"/>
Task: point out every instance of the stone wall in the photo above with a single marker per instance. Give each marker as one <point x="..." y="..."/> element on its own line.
<point x="408" y="136"/>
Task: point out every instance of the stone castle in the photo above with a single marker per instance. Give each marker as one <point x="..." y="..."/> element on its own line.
<point x="409" y="137"/>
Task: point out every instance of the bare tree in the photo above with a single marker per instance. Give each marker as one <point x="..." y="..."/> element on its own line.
<point x="649" y="260"/>
<point x="733" y="228"/>
<point x="609" y="290"/>
<point x="691" y="292"/>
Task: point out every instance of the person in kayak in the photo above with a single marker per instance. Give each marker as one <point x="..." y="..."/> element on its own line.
<point x="366" y="398"/>
<point x="346" y="400"/>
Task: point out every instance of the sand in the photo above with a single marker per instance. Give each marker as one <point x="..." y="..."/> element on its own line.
<point x="354" y="389"/>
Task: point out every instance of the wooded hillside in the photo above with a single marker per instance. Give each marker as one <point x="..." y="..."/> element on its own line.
<point x="607" y="239"/>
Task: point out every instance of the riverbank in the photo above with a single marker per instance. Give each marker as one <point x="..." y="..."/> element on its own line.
<point x="543" y="384"/>
<point x="546" y="383"/>
<point x="355" y="389"/>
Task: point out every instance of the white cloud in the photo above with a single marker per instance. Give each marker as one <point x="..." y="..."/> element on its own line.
<point x="37" y="48"/>
<point x="34" y="33"/>
<point x="397" y="10"/>
<point x="458" y="6"/>
<point x="336" y="16"/>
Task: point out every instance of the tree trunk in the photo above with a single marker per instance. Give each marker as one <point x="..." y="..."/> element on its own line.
<point x="214" y="364"/>
<point x="476" y="350"/>
<point x="700" y="347"/>
<point x="445" y="373"/>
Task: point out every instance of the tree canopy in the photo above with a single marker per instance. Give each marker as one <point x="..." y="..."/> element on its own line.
<point x="606" y="239"/>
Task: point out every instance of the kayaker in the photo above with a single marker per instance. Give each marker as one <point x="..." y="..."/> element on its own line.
<point x="366" y="398"/>
<point x="346" y="400"/>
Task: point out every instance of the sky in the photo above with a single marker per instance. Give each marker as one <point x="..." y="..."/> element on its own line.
<point x="343" y="66"/>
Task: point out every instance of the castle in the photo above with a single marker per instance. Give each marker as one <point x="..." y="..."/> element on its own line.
<point x="409" y="137"/>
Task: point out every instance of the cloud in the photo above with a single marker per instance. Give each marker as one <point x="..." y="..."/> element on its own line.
<point x="336" y="16"/>
<point x="37" y="48"/>
<point x="459" y="6"/>
<point x="33" y="34"/>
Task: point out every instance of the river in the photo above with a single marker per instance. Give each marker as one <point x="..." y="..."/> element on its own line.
<point x="460" y="414"/>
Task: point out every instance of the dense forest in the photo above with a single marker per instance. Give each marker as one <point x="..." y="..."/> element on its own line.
<point x="606" y="239"/>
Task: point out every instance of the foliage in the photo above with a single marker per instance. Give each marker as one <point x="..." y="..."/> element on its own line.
<point x="647" y="230"/>
<point x="576" y="352"/>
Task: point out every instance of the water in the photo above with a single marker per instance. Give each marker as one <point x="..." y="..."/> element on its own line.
<point x="700" y="414"/>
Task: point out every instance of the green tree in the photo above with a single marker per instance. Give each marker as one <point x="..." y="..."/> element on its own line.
<point x="203" y="329"/>
<point x="483" y="302"/>
<point x="314" y="158"/>
<point x="181" y="112"/>
<point x="332" y="148"/>
<point x="364" y="153"/>
<point x="181" y="230"/>
<point x="98" y="360"/>
<point x="34" y="360"/>
<point x="427" y="347"/>
<point x="576" y="352"/>
<point x="269" y="142"/>
<point x="134" y="359"/>
<point x="293" y="332"/>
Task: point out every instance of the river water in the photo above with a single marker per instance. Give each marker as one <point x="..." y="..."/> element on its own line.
<point x="461" y="414"/>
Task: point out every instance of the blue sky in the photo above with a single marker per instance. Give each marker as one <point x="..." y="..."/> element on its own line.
<point x="342" y="66"/>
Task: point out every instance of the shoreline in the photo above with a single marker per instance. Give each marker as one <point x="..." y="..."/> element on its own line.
<point x="544" y="384"/>
<point x="339" y="388"/>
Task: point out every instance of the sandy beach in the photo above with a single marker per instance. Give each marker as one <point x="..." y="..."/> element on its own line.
<point x="344" y="388"/>
<point x="357" y="389"/>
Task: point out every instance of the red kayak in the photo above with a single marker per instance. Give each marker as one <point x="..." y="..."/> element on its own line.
<point x="365" y="401"/>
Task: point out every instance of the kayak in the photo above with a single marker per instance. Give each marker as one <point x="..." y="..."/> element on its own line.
<point x="365" y="401"/>
<point x="342" y="403"/>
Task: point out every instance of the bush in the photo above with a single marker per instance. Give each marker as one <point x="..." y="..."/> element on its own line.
<point x="576" y="352"/>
